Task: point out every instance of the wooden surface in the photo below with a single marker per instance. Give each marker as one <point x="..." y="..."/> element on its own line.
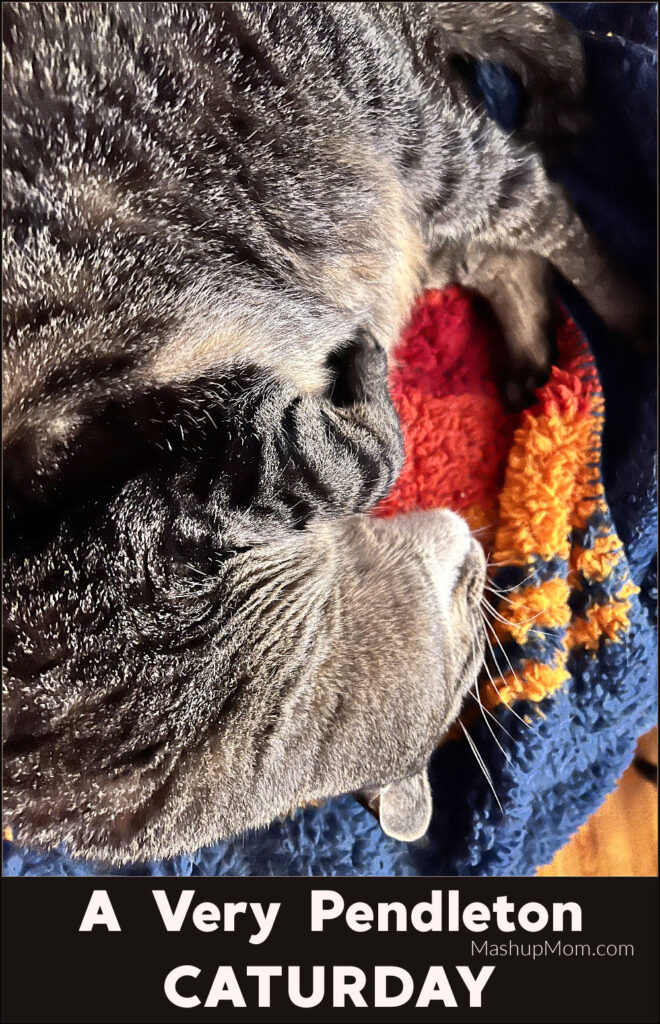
<point x="621" y="838"/>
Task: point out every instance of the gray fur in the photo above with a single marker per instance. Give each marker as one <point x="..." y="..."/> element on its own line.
<point x="216" y="218"/>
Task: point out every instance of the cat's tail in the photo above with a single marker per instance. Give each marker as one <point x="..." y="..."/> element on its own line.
<point x="542" y="49"/>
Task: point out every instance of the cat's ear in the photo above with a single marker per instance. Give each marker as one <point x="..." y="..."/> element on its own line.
<point x="403" y="808"/>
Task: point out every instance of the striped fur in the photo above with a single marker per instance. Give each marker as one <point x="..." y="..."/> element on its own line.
<point x="216" y="217"/>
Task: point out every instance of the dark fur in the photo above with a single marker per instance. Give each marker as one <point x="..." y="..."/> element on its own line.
<point x="216" y="218"/>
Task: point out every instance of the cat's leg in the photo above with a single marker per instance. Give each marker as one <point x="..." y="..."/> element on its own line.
<point x="549" y="227"/>
<point x="518" y="289"/>
<point x="513" y="236"/>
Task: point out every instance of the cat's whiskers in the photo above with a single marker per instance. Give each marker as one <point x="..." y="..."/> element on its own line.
<point x="475" y="652"/>
<point x="490" y="714"/>
<point x="495" y="687"/>
<point x="482" y="764"/>
<point x="507" y="622"/>
<point x="516" y="586"/>
<point x="500" y="618"/>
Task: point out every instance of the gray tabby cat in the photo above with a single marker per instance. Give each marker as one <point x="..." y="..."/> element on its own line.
<point x="216" y="218"/>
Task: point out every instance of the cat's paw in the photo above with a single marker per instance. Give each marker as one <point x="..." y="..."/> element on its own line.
<point x="517" y="288"/>
<point x="358" y="371"/>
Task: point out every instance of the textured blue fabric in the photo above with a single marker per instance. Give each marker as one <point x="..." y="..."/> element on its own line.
<point x="562" y="767"/>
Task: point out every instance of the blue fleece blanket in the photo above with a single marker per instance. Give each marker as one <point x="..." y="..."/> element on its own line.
<point x="560" y="772"/>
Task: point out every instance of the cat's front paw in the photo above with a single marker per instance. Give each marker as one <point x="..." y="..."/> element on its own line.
<point x="358" y="371"/>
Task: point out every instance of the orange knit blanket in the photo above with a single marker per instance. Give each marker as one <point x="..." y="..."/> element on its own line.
<point x="528" y="484"/>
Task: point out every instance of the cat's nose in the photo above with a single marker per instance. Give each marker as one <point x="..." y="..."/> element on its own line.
<point x="471" y="574"/>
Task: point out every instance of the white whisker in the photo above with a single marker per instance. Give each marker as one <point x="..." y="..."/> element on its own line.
<point x="516" y="586"/>
<point x="507" y="622"/>
<point x="480" y="761"/>
<point x="497" y="691"/>
<point x="512" y="624"/>
<point x="488" y="725"/>
<point x="478" y="698"/>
